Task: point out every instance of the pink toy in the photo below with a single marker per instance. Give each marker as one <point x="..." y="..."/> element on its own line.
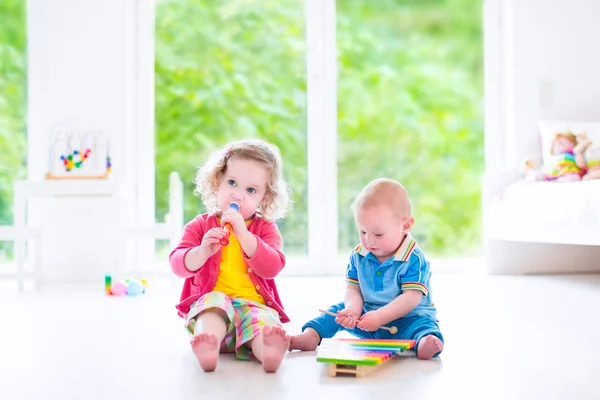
<point x="127" y="287"/>
<point x="118" y="288"/>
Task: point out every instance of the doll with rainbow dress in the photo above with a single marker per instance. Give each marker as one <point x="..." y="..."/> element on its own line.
<point x="566" y="168"/>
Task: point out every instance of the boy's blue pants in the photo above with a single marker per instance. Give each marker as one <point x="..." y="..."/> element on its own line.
<point x="409" y="328"/>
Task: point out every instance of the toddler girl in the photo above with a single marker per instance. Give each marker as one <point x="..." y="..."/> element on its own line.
<point x="230" y="256"/>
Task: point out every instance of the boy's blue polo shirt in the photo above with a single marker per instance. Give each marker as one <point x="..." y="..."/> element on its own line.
<point x="382" y="283"/>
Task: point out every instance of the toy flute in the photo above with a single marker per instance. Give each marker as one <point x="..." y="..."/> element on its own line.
<point x="392" y="329"/>
<point x="228" y="228"/>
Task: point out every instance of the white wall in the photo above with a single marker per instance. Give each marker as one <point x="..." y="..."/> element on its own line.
<point x="83" y="71"/>
<point x="552" y="66"/>
<point x="77" y="73"/>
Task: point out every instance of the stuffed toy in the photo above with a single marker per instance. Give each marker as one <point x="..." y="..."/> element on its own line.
<point x="587" y="155"/>
<point x="565" y="168"/>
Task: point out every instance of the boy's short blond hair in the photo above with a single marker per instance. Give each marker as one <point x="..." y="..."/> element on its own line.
<point x="385" y="192"/>
<point x="277" y="196"/>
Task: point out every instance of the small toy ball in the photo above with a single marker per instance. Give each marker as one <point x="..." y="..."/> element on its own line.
<point x="145" y="284"/>
<point x="119" y="288"/>
<point x="135" y="288"/>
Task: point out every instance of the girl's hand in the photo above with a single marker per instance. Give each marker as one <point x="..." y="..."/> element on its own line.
<point x="369" y="322"/>
<point x="237" y="222"/>
<point x="211" y="241"/>
<point x="347" y="318"/>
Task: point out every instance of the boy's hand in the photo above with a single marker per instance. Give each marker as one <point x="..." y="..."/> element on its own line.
<point x="236" y="220"/>
<point x="210" y="241"/>
<point x="369" y="322"/>
<point x="347" y="318"/>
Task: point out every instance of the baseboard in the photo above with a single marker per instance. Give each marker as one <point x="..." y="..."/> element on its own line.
<point x="516" y="258"/>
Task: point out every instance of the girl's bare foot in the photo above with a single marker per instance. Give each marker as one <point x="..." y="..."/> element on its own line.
<point x="206" y="349"/>
<point x="428" y="347"/>
<point x="275" y="343"/>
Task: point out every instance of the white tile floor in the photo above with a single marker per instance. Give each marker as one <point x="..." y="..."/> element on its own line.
<point x="506" y="338"/>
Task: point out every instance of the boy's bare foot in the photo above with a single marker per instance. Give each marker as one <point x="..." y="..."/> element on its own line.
<point x="275" y="343"/>
<point x="306" y="341"/>
<point x="206" y="349"/>
<point x="428" y="347"/>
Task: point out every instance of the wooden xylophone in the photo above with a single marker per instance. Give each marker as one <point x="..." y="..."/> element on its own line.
<point x="359" y="357"/>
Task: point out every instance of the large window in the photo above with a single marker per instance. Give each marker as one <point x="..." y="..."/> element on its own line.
<point x="226" y="70"/>
<point x="410" y="90"/>
<point x="13" y="72"/>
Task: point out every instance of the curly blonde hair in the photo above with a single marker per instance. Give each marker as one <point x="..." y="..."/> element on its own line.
<point x="570" y="136"/>
<point x="277" y="197"/>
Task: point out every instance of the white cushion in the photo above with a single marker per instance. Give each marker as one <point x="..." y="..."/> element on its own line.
<point x="550" y="128"/>
<point x="546" y="212"/>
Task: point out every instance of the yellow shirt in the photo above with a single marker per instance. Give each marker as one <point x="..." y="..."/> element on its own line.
<point x="233" y="279"/>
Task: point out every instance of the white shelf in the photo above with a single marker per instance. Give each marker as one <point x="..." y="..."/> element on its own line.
<point x="68" y="188"/>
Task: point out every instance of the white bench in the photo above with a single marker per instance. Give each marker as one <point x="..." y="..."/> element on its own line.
<point x="21" y="233"/>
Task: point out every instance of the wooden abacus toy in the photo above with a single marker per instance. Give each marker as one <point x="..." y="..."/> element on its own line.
<point x="359" y="357"/>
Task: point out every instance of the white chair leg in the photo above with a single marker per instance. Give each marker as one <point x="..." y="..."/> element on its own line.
<point x="19" y="242"/>
<point x="38" y="275"/>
